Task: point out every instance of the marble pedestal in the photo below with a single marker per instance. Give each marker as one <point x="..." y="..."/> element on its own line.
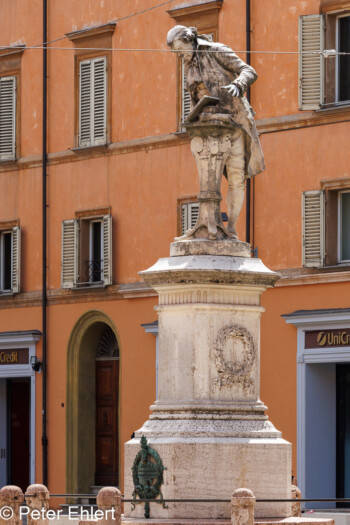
<point x="209" y="424"/>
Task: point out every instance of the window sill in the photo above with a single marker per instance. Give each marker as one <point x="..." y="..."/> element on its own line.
<point x="88" y="149"/>
<point x="337" y="106"/>
<point x="89" y="286"/>
<point x="8" y="162"/>
<point x="340" y="267"/>
<point x="6" y="293"/>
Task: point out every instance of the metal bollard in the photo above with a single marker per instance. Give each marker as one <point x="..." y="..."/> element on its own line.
<point x="11" y="498"/>
<point x="38" y="501"/>
<point x="242" y="507"/>
<point x="296" y="506"/>
<point x="109" y="501"/>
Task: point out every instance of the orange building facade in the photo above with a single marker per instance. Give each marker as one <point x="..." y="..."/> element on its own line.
<point x="120" y="184"/>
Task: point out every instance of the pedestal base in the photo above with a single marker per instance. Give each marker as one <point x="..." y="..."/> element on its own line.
<point x="212" y="468"/>
<point x="208" y="425"/>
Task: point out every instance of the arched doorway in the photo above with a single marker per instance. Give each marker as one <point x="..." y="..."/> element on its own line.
<point x="92" y="404"/>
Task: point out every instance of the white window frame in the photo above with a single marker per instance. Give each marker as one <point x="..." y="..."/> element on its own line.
<point x="340" y="260"/>
<point x="91" y="238"/>
<point x="2" y="248"/>
<point x="337" y="101"/>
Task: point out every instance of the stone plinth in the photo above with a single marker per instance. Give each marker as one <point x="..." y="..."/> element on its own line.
<point x="211" y="143"/>
<point x="209" y="424"/>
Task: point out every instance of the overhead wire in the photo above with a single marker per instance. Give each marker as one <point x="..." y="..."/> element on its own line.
<point x="217" y="51"/>
<point x="46" y="45"/>
<point x="43" y="45"/>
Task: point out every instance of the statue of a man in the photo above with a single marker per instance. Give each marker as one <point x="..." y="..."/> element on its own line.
<point x="214" y="69"/>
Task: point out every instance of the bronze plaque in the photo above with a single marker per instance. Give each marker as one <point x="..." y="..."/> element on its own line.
<point x="15" y="356"/>
<point x="327" y="338"/>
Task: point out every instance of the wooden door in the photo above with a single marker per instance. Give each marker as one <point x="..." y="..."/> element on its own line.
<point x="107" y="378"/>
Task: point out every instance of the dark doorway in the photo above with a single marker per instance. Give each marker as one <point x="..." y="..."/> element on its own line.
<point x="107" y="390"/>
<point x="18" y="417"/>
<point x="343" y="432"/>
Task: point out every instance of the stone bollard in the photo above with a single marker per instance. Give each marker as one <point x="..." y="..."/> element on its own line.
<point x="242" y="507"/>
<point x="109" y="501"/>
<point x="38" y="500"/>
<point x="296" y="506"/>
<point x="11" y="498"/>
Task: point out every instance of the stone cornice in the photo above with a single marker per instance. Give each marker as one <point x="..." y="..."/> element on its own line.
<point x="289" y="277"/>
<point x="200" y="7"/>
<point x="334" y="5"/>
<point x="115" y="148"/>
<point x="82" y="295"/>
<point x="301" y="277"/>
<point x="269" y="125"/>
<point x="304" y="119"/>
<point x="109" y="27"/>
<point x="17" y="49"/>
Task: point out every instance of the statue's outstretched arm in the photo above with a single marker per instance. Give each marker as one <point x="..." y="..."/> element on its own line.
<point x="246" y="75"/>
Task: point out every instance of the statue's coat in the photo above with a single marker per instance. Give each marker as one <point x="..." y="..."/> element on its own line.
<point x="223" y="68"/>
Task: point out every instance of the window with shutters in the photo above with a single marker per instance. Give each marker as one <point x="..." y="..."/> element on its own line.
<point x="189" y="216"/>
<point x="93" y="102"/>
<point x="92" y="126"/>
<point x="8" y="118"/>
<point x="324" y="69"/>
<point x="326" y="224"/>
<point x="87" y="251"/>
<point x="10" y="251"/>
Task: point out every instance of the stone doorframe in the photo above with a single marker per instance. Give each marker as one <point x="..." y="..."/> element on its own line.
<point x="305" y="320"/>
<point x="80" y="415"/>
<point x="23" y="339"/>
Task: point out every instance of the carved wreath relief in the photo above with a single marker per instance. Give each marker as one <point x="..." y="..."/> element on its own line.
<point x="237" y="342"/>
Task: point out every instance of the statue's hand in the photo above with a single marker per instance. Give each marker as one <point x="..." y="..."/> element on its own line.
<point x="232" y="89"/>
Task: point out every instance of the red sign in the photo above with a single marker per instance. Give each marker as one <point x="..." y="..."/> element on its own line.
<point x="15" y="356"/>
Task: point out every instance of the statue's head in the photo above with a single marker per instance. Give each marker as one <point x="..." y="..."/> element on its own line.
<point x="182" y="39"/>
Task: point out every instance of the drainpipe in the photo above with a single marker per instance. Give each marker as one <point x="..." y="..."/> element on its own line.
<point x="44" y="246"/>
<point x="247" y="217"/>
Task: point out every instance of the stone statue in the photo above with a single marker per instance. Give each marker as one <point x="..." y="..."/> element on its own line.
<point x="216" y="80"/>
